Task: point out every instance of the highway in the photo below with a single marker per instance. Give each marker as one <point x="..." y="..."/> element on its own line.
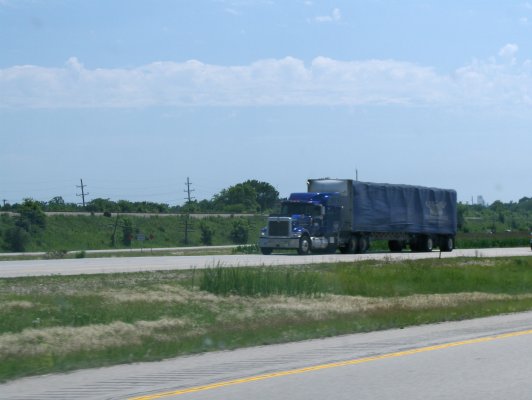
<point x="487" y="358"/>
<point x="153" y="263"/>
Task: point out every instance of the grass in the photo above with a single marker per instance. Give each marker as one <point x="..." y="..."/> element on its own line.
<point x="376" y="278"/>
<point x="481" y="240"/>
<point x="146" y="252"/>
<point x="55" y="323"/>
<point x="91" y="232"/>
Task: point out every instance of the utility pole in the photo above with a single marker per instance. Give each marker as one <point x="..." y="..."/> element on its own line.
<point x="187" y="225"/>
<point x="188" y="190"/>
<point x="189" y="199"/>
<point x="5" y="202"/>
<point x="82" y="186"/>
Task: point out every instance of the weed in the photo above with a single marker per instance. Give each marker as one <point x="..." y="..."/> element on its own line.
<point x="81" y="254"/>
<point x="246" y="249"/>
<point x="55" y="254"/>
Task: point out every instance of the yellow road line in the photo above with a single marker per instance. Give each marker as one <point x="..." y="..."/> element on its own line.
<point x="329" y="365"/>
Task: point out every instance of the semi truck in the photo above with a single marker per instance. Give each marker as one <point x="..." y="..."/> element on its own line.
<point x="346" y="215"/>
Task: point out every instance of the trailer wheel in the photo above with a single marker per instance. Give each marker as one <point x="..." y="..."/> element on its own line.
<point x="447" y="243"/>
<point x="427" y="244"/>
<point x="304" y="246"/>
<point x="266" y="251"/>
<point x="352" y="245"/>
<point x="363" y="244"/>
<point x="395" y="246"/>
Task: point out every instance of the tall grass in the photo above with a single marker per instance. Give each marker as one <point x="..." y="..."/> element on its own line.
<point x="261" y="281"/>
<point x="375" y="279"/>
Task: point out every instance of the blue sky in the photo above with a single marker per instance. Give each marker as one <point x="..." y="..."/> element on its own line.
<point x="136" y="96"/>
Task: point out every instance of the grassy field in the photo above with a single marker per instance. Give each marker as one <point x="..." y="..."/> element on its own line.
<point x="90" y="232"/>
<point x="50" y="324"/>
<point x="96" y="232"/>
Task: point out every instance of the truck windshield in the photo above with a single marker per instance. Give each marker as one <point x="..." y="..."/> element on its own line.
<point x="300" y="208"/>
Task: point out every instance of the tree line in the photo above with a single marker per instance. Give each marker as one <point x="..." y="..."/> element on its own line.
<point x="497" y="217"/>
<point x="251" y="196"/>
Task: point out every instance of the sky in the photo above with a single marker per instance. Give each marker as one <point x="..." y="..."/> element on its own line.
<point x="134" y="97"/>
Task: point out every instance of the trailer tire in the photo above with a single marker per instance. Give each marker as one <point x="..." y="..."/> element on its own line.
<point x="395" y="246"/>
<point x="427" y="244"/>
<point x="352" y="245"/>
<point x="363" y="244"/>
<point x="304" y="246"/>
<point x="266" y="251"/>
<point x="447" y="243"/>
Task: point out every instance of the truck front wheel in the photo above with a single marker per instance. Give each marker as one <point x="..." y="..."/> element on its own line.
<point x="266" y="251"/>
<point x="304" y="246"/>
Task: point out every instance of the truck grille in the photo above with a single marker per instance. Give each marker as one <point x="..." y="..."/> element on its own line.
<point x="278" y="228"/>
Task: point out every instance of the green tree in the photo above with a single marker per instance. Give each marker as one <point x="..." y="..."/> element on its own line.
<point x="190" y="207"/>
<point x="207" y="233"/>
<point x="125" y="206"/>
<point x="16" y="238"/>
<point x="56" y="204"/>
<point x="266" y="195"/>
<point x="102" y="205"/>
<point x="237" y="198"/>
<point x="240" y="231"/>
<point x="249" y="196"/>
<point x="31" y="216"/>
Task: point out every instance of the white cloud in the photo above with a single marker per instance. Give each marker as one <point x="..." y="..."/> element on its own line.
<point x="271" y="82"/>
<point x="333" y="17"/>
<point x="509" y="50"/>
<point x="232" y="11"/>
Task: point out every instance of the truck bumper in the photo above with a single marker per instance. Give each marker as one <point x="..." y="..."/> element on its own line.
<point x="278" y="243"/>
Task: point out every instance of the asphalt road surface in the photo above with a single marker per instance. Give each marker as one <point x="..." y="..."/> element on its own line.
<point x="133" y="264"/>
<point x="487" y="358"/>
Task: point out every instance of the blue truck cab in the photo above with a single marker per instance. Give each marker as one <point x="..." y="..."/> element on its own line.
<point x="306" y="221"/>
